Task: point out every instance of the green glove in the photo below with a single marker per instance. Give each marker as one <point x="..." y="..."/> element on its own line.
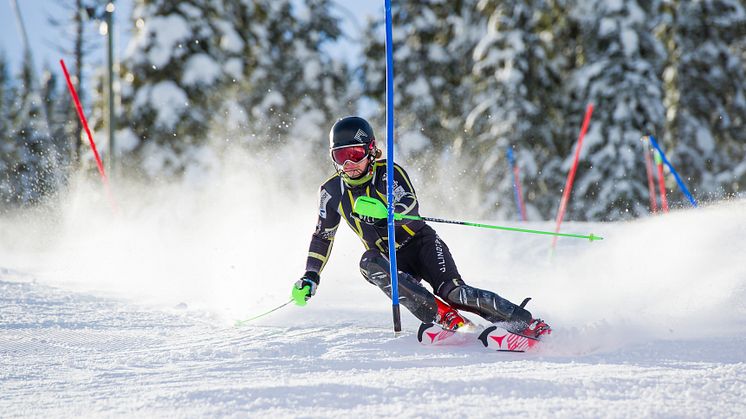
<point x="305" y="288"/>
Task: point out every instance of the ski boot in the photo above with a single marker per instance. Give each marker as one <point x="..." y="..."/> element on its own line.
<point x="448" y="318"/>
<point x="536" y="329"/>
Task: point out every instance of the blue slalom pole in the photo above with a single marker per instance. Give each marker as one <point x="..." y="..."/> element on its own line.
<point x="675" y="175"/>
<point x="516" y="195"/>
<point x="390" y="167"/>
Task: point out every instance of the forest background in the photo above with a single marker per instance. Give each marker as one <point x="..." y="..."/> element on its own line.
<point x="202" y="80"/>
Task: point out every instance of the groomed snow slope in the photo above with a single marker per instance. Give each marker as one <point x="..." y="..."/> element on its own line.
<point x="132" y="316"/>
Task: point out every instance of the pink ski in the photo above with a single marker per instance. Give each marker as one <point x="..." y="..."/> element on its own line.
<point x="432" y="334"/>
<point x="499" y="339"/>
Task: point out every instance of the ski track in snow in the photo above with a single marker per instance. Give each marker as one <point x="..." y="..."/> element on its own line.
<point x="650" y="322"/>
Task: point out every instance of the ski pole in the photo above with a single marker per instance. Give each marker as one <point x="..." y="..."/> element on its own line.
<point x="371" y="207"/>
<point x="243" y="322"/>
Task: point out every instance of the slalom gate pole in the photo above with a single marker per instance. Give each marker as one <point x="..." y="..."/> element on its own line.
<point x="390" y="167"/>
<point x="571" y="174"/>
<point x="517" y="193"/>
<point x="243" y="322"/>
<point x="661" y="182"/>
<point x="81" y="115"/>
<point x="675" y="174"/>
<point x="649" y="170"/>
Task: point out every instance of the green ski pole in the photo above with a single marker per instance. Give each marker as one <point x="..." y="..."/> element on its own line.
<point x="371" y="207"/>
<point x="243" y="322"/>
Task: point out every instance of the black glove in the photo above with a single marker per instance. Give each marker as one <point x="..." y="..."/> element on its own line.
<point x="305" y="288"/>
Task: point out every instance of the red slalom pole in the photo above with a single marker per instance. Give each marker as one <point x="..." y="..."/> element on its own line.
<point x="83" y="120"/>
<point x="649" y="170"/>
<point x="661" y="182"/>
<point x="571" y="175"/>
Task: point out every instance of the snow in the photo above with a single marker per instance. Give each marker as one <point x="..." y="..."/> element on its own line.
<point x="630" y="42"/>
<point x="133" y="315"/>
<point x="234" y="68"/>
<point x="200" y="69"/>
<point x="230" y="40"/>
<point x="164" y="33"/>
<point x="168" y="100"/>
<point x="126" y="140"/>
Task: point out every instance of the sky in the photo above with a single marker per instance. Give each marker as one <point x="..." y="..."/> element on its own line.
<point x="45" y="39"/>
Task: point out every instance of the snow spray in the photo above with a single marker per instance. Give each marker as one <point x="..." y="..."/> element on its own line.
<point x="571" y="174"/>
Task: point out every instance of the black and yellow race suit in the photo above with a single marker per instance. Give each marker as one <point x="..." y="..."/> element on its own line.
<point x="421" y="254"/>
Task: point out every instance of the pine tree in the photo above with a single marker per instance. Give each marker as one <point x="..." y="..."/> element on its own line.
<point x="77" y="40"/>
<point x="7" y="145"/>
<point x="208" y="74"/>
<point x="622" y="63"/>
<point x="292" y="90"/>
<point x="706" y="125"/>
<point x="516" y="79"/>
<point x="173" y="70"/>
<point x="433" y="44"/>
<point x="29" y="174"/>
<point x="62" y="126"/>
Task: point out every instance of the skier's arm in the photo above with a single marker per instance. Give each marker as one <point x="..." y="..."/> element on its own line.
<point x="323" y="237"/>
<point x="319" y="249"/>
<point x="405" y="198"/>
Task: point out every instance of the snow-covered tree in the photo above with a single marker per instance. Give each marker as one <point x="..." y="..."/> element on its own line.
<point x="622" y="63"/>
<point x="516" y="84"/>
<point x="433" y="46"/>
<point x="291" y="90"/>
<point x="61" y="120"/>
<point x="76" y="40"/>
<point x="707" y="119"/>
<point x="213" y="73"/>
<point x="178" y="59"/>
<point x="28" y="155"/>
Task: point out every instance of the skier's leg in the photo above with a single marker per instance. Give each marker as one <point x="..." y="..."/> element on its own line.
<point x="488" y="305"/>
<point x="439" y="269"/>
<point x="414" y="297"/>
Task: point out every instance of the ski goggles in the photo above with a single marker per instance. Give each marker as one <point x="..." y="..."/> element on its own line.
<point x="354" y="154"/>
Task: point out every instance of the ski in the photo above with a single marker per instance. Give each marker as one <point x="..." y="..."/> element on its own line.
<point x="494" y="337"/>
<point x="499" y="339"/>
<point x="433" y="335"/>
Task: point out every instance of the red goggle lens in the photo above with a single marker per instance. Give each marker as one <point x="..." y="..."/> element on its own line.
<point x="353" y="154"/>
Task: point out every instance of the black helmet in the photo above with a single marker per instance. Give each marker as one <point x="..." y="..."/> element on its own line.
<point x="349" y="131"/>
<point x="351" y="139"/>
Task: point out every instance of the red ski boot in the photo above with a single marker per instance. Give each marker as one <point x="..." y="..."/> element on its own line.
<point x="536" y="329"/>
<point x="448" y="318"/>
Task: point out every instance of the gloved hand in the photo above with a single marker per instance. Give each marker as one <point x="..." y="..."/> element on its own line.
<point x="378" y="222"/>
<point x="305" y="288"/>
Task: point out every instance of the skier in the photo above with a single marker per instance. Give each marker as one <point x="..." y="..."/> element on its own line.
<point x="421" y="253"/>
